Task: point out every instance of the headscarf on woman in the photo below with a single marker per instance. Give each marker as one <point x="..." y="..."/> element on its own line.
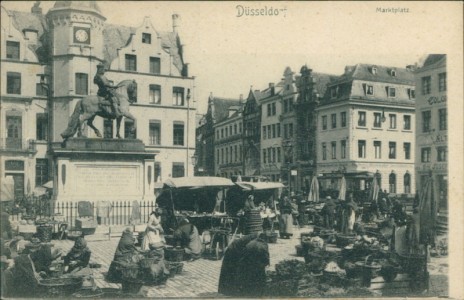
<point x="79" y="255"/>
<point x="126" y="253"/>
<point x="189" y="238"/>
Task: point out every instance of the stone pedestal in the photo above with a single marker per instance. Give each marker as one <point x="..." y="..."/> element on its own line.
<point x="103" y="169"/>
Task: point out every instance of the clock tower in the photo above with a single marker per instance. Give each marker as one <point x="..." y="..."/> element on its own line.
<point x="76" y="37"/>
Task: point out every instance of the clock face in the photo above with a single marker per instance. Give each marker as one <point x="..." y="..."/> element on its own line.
<point x="81" y="35"/>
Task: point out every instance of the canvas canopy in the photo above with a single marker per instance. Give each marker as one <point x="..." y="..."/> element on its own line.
<point x="7" y="189"/>
<point x="198" y="182"/>
<point x="260" y="185"/>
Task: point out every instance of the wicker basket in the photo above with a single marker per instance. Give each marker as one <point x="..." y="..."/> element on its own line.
<point x="130" y="272"/>
<point x="60" y="287"/>
<point x="174" y="254"/>
<point x="175" y="268"/>
<point x="131" y="286"/>
<point x="147" y="262"/>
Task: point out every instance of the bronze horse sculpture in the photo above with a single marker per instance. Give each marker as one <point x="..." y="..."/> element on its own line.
<point x="91" y="106"/>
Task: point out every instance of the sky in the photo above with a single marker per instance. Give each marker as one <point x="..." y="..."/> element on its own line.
<point x="229" y="50"/>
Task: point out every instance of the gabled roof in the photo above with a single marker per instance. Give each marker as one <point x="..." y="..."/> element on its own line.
<point x="219" y="107"/>
<point x="432" y="59"/>
<point x="117" y="36"/>
<point x="383" y="74"/>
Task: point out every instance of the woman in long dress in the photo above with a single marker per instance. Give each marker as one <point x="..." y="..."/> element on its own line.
<point x="286" y="218"/>
<point x="154" y="231"/>
<point x="188" y="237"/>
<point x="78" y="257"/>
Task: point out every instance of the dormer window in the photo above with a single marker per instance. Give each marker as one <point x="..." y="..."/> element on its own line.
<point x="393" y="73"/>
<point x="370" y="90"/>
<point x="333" y="92"/>
<point x="146" y="38"/>
<point x="374" y="70"/>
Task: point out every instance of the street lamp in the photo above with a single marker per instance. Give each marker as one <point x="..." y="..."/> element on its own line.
<point x="288" y="147"/>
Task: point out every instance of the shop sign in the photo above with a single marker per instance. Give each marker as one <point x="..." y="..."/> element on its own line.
<point x="434" y="99"/>
<point x="14" y="165"/>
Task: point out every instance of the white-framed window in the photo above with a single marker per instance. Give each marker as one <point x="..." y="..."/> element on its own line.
<point x="178" y="96"/>
<point x="377" y="120"/>
<point x="362" y="149"/>
<point x="324" y="122"/>
<point x="426" y="85"/>
<point x="412" y="93"/>
<point x="362" y="118"/>
<point x="442" y="82"/>
<point x="178" y="133"/>
<point x="426" y="121"/>
<point x="407" y="150"/>
<point x="324" y="151"/>
<point x="146" y="38"/>
<point x="391" y="92"/>
<point x="154" y="96"/>
<point x="155" y="132"/>
<point x="392" y="118"/>
<point x="442" y="153"/>
<point x="343" y="119"/>
<point x="334" y="149"/>
<point x="343" y="149"/>
<point x="82" y="84"/>
<point x="155" y="65"/>
<point x="131" y="62"/>
<point x="442" y="119"/>
<point x="333" y="118"/>
<point x="392" y="150"/>
<point x="12" y="50"/>
<point x="393" y="72"/>
<point x="407" y="122"/>
<point x="377" y="149"/>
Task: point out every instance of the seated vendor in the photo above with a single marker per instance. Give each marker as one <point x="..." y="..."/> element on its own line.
<point x="126" y="253"/>
<point x="187" y="236"/>
<point x="78" y="257"/>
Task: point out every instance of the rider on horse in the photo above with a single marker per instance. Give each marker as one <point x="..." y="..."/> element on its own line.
<point x="105" y="89"/>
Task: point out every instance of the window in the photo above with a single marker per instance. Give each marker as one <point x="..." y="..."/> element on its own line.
<point x="412" y="93"/>
<point x="343" y="119"/>
<point x="178" y="169"/>
<point x="377" y="120"/>
<point x="158" y="171"/>
<point x="392" y="150"/>
<point x="407" y="122"/>
<point x="13" y="83"/>
<point x="41" y="171"/>
<point x="442" y="154"/>
<point x="407" y="150"/>
<point x="264" y="132"/>
<point x="235" y="153"/>
<point x="239" y="127"/>
<point x="442" y="82"/>
<point x="279" y="155"/>
<point x="392" y="183"/>
<point x="178" y="96"/>
<point x="146" y="38"/>
<point x="82" y="84"/>
<point x="426" y="120"/>
<point x="278" y="130"/>
<point x="362" y="149"/>
<point x="107" y="129"/>
<point x="334" y="120"/>
<point x="178" y="134"/>
<point x="264" y="156"/>
<point x="269" y="131"/>
<point x="222" y="133"/>
<point x="393" y="73"/>
<point x="273" y="154"/>
<point x="154" y="96"/>
<point x="324" y="122"/>
<point x="273" y="131"/>
<point x="129" y="129"/>
<point x="222" y="155"/>
<point x="14" y="132"/>
<point x="269" y="109"/>
<point x="334" y="150"/>
<point x="425" y="154"/>
<point x="131" y="62"/>
<point x="12" y="50"/>
<point x="155" y="65"/>
<point x="40" y="89"/>
<point x="391" y="92"/>
<point x="378" y="149"/>
<point x="361" y="118"/>
<point x="269" y="157"/>
<point x="217" y="134"/>
<point x="235" y="128"/>
<point x="274" y="110"/>
<point x="227" y="155"/>
<point x="442" y="119"/>
<point x="370" y="90"/>
<point x="374" y="70"/>
<point x="407" y="183"/>
<point x="392" y="118"/>
<point x="334" y="92"/>
<point x="324" y="151"/>
<point x="155" y="132"/>
<point x="42" y="127"/>
<point x="426" y="85"/>
<point x="343" y="149"/>
<point x="240" y="152"/>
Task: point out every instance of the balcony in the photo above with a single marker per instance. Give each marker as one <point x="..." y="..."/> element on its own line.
<point x="15" y="145"/>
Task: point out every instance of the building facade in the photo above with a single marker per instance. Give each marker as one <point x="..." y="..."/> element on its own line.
<point x="252" y="134"/>
<point x="48" y="63"/>
<point x="432" y="126"/>
<point x="366" y="123"/>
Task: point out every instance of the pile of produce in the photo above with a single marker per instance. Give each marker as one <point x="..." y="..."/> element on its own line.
<point x="292" y="278"/>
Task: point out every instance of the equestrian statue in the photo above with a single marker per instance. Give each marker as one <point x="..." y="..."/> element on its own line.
<point x="111" y="102"/>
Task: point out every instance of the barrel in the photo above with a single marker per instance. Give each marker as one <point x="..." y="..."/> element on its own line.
<point x="44" y="233"/>
<point x="253" y="222"/>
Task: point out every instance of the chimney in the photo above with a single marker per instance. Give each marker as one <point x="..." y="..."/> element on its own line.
<point x="175" y="22"/>
<point x="36" y="9"/>
<point x="411" y="68"/>
<point x="272" y="88"/>
<point x="241" y="98"/>
<point x="31" y="35"/>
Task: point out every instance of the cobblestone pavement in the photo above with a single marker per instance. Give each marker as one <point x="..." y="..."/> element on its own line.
<point x="199" y="278"/>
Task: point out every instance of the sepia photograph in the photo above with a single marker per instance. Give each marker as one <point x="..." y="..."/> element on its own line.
<point x="231" y="149"/>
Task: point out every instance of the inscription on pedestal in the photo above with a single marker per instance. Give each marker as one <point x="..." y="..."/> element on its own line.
<point x="110" y="180"/>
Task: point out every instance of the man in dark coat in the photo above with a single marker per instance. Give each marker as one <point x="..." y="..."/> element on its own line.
<point x="328" y="212"/>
